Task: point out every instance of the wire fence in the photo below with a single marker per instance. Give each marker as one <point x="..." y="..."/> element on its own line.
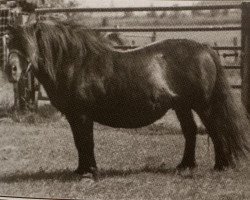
<point x="235" y="48"/>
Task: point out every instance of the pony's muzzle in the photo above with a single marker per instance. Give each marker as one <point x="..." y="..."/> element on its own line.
<point x="11" y="72"/>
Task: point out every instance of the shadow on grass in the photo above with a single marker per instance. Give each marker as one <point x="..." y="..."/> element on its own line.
<point x="163" y="129"/>
<point x="61" y="175"/>
<point x="68" y="175"/>
<point x="123" y="173"/>
<point x="44" y="114"/>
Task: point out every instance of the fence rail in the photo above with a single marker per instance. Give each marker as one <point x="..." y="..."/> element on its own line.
<point x="170" y="29"/>
<point x="232" y="66"/>
<point x="227" y="48"/>
<point x="137" y="9"/>
<point x="215" y="48"/>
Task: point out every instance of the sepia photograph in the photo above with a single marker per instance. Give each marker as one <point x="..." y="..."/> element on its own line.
<point x="124" y="99"/>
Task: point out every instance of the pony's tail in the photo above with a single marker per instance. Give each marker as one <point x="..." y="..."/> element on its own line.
<point x="230" y="118"/>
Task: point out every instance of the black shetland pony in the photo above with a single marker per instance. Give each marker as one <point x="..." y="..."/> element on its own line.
<point x="88" y="81"/>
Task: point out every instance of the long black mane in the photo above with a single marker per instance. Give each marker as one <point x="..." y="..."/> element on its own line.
<point x="57" y="44"/>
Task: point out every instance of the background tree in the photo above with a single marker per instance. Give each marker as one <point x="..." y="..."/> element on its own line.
<point x="214" y="13"/>
<point x="176" y="14"/>
<point x="152" y="13"/>
<point x="225" y="12"/>
<point x="128" y="14"/>
<point x="196" y="13"/>
<point x="163" y="14"/>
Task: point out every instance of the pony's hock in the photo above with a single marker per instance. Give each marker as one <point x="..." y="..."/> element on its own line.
<point x="89" y="81"/>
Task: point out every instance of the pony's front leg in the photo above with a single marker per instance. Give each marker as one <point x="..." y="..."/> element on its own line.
<point x="82" y="128"/>
<point x="189" y="128"/>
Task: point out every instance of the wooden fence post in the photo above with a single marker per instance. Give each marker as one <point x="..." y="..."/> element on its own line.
<point x="153" y="37"/>
<point x="235" y="44"/>
<point x="245" y="95"/>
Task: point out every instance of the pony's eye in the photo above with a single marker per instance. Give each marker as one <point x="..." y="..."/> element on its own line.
<point x="14" y="68"/>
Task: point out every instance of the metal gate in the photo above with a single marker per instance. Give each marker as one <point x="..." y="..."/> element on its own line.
<point x="244" y="7"/>
<point x="6" y="18"/>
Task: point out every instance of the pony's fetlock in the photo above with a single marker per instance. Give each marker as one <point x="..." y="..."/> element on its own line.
<point x="91" y="172"/>
<point x="224" y="164"/>
<point x="186" y="165"/>
<point x="219" y="167"/>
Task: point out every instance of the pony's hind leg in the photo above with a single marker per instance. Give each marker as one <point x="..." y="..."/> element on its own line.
<point x="189" y="128"/>
<point x="82" y="128"/>
<point x="222" y="156"/>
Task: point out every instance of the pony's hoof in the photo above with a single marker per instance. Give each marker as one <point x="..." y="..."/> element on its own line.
<point x="184" y="166"/>
<point x="91" y="173"/>
<point x="186" y="172"/>
<point x="221" y="168"/>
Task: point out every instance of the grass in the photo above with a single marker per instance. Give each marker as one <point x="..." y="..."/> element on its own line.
<point x="38" y="160"/>
<point x="38" y="156"/>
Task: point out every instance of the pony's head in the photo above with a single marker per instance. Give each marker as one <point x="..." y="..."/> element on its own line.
<point x="18" y="63"/>
<point x="17" y="67"/>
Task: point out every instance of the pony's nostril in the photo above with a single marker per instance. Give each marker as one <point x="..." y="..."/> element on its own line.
<point x="14" y="68"/>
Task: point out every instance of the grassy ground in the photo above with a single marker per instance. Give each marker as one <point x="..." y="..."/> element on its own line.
<point x="37" y="160"/>
<point x="37" y="157"/>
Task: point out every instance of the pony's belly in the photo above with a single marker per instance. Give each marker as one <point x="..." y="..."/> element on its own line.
<point x="130" y="117"/>
<point x="132" y="111"/>
<point x="122" y="121"/>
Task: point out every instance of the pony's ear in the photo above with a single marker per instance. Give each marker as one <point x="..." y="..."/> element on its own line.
<point x="12" y="27"/>
<point x="38" y="32"/>
<point x="38" y="38"/>
<point x="12" y="30"/>
<point x="36" y="24"/>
